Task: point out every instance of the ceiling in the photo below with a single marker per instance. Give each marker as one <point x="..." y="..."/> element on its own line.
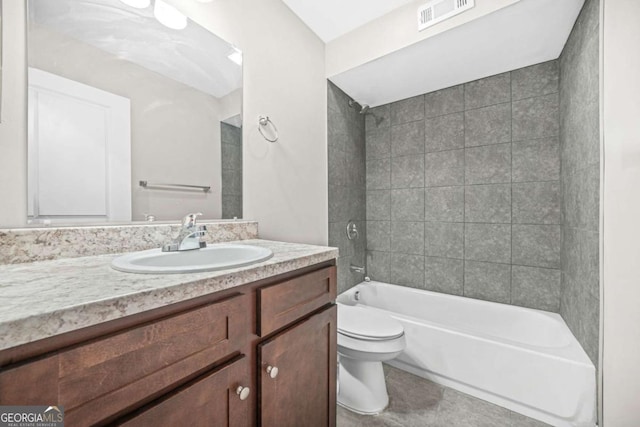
<point x="193" y="56"/>
<point x="330" y="19"/>
<point x="523" y="34"/>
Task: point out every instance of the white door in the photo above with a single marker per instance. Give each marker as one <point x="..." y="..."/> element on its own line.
<point x="79" y="151"/>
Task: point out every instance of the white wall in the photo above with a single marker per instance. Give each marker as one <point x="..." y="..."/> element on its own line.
<point x="284" y="183"/>
<point x="394" y="31"/>
<point x="621" y="204"/>
<point x="13" y="131"/>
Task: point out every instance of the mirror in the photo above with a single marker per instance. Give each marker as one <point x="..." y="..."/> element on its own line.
<point x="134" y="114"/>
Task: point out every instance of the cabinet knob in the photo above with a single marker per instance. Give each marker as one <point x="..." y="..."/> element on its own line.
<point x="243" y="392"/>
<point x="272" y="371"/>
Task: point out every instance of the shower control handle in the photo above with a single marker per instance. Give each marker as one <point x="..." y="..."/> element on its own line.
<point x="243" y="392"/>
<point x="272" y="371"/>
<point x="352" y="230"/>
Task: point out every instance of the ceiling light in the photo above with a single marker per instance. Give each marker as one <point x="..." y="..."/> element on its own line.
<point x="236" y="56"/>
<point x="138" y="4"/>
<point x="169" y="16"/>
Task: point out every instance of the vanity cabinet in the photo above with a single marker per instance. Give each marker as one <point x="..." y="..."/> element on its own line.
<point x="99" y="379"/>
<point x="297" y="360"/>
<point x="201" y="362"/>
<point x="297" y="381"/>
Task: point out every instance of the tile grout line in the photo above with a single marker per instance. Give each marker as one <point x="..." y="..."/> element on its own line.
<point x="464" y="189"/>
<point x="389" y="158"/>
<point x="561" y="182"/>
<point x="481" y="223"/>
<point x="466" y="185"/>
<point x="424" y="189"/>
<point x="471" y="260"/>
<point x="511" y="189"/>
<point x="391" y="125"/>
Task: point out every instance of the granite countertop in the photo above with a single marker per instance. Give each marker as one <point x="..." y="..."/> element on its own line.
<point x="46" y="298"/>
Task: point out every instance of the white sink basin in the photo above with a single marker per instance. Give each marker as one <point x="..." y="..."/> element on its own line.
<point x="213" y="257"/>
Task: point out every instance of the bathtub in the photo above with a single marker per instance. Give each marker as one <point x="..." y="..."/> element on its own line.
<point x="523" y="359"/>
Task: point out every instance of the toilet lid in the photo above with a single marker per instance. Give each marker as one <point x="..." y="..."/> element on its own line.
<point x="360" y="322"/>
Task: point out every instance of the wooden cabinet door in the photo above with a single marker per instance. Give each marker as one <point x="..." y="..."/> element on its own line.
<point x="211" y="400"/>
<point x="303" y="393"/>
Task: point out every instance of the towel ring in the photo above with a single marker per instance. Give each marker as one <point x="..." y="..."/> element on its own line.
<point x="263" y="121"/>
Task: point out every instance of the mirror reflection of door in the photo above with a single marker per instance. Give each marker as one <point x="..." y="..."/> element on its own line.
<point x="79" y="145"/>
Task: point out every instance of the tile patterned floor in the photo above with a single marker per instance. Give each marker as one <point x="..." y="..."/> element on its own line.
<point x="416" y="402"/>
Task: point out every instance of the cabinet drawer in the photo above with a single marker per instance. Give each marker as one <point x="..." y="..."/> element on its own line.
<point x="209" y="400"/>
<point x="117" y="373"/>
<point x="286" y="302"/>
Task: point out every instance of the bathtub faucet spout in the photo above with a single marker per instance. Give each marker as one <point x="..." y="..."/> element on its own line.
<point x="356" y="269"/>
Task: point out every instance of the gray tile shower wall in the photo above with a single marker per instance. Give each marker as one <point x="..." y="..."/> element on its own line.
<point x="231" y="143"/>
<point x="463" y="189"/>
<point x="580" y="146"/>
<point x="346" y="151"/>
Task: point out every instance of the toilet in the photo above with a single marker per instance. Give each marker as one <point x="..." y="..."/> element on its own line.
<point x="365" y="340"/>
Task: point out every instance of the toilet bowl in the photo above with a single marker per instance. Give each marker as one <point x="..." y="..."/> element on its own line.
<point x="365" y="340"/>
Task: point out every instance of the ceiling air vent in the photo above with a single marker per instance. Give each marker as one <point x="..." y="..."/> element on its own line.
<point x="438" y="10"/>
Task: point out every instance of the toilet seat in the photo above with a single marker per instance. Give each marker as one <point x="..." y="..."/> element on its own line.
<point x="364" y="324"/>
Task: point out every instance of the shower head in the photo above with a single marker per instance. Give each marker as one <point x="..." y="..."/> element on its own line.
<point x="362" y="109"/>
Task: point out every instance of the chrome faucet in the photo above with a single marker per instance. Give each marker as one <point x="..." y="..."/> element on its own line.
<point x="189" y="237"/>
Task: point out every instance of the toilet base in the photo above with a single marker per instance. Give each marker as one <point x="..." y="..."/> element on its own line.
<point x="362" y="386"/>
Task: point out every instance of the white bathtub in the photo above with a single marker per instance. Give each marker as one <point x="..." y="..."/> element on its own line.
<point x="525" y="360"/>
